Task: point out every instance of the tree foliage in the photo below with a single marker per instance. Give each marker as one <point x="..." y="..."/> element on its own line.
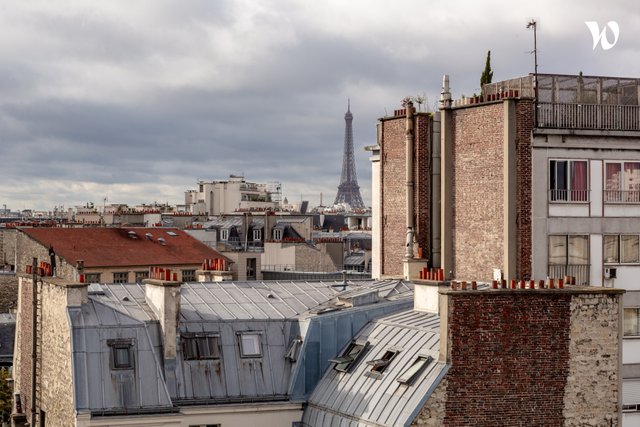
<point x="5" y="395"/>
<point x="487" y="74"/>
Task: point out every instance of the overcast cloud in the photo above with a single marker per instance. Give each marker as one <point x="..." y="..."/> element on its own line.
<point x="137" y="100"/>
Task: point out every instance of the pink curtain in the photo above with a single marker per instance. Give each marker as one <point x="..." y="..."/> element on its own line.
<point x="612" y="182"/>
<point x="579" y="181"/>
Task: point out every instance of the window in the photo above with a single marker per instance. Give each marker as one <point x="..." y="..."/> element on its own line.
<point x="277" y="234"/>
<point x="121" y="277"/>
<point x="141" y="275"/>
<point x="569" y="250"/>
<point x="200" y="346"/>
<point x="380" y="365"/>
<point x="622" y="249"/>
<point x="293" y="350"/>
<point x="188" y="275"/>
<point x="257" y="234"/>
<point x="204" y="425"/>
<point x="92" y="278"/>
<point x="409" y="376"/>
<point x="568" y="181"/>
<point x="354" y="351"/>
<point x="250" y="345"/>
<point x="121" y="354"/>
<point x="622" y="182"/>
<point x="224" y="234"/>
<point x="251" y="269"/>
<point x="631" y="322"/>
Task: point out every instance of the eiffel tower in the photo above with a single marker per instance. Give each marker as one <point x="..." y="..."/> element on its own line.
<point x="349" y="190"/>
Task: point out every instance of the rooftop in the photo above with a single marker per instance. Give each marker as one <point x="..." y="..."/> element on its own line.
<point x="115" y="247"/>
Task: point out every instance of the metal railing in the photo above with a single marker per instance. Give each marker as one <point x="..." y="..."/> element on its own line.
<point x="579" y="271"/>
<point x="569" y="196"/>
<point x="588" y="116"/>
<point x="621" y="196"/>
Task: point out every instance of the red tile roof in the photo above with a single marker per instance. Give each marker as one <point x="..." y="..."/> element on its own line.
<point x="113" y="247"/>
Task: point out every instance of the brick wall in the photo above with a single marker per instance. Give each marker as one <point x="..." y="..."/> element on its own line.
<point x="530" y="358"/>
<point x="478" y="190"/>
<point x="394" y="190"/>
<point x="524" y="127"/>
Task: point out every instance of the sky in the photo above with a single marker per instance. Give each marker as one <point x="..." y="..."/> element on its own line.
<point x="136" y="101"/>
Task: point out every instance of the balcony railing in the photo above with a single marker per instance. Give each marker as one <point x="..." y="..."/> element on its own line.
<point x="579" y="271"/>
<point x="588" y="116"/>
<point x="621" y="196"/>
<point x="569" y="196"/>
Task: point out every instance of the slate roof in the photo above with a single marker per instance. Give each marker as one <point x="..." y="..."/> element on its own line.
<point x="113" y="247"/>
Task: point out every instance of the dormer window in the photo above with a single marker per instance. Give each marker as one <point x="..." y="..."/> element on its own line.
<point x="257" y="234"/>
<point x="277" y="234"/>
<point x="224" y="234"/>
<point x="200" y="346"/>
<point x="354" y="351"/>
<point x="250" y="344"/>
<point x="121" y="353"/>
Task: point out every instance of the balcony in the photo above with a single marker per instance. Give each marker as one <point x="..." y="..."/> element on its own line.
<point x="621" y="196"/>
<point x="569" y="196"/>
<point x="588" y="116"/>
<point x="579" y="271"/>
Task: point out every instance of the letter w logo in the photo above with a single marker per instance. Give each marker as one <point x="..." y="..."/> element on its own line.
<point x="601" y="36"/>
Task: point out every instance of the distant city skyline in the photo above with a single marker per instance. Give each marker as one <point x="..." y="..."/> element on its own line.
<point x="137" y="102"/>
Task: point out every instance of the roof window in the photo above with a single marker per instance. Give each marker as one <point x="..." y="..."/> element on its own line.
<point x="250" y="344"/>
<point x="200" y="346"/>
<point x="410" y="375"/>
<point x="378" y="366"/>
<point x="354" y="351"/>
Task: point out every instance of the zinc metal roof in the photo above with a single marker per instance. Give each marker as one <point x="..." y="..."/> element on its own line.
<point x="356" y="399"/>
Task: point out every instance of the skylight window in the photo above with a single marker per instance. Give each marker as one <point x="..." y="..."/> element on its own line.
<point x="380" y="365"/>
<point x="250" y="345"/>
<point x="410" y="375"/>
<point x="171" y="233"/>
<point x="354" y="351"/>
<point x="121" y="353"/>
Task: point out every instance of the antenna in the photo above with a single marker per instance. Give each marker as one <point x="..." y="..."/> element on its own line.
<point x="533" y="24"/>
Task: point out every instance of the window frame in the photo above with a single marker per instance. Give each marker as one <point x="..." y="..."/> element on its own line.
<point x="115" y="345"/>
<point x="119" y="279"/>
<point x="567" y="194"/>
<point x="192" y="343"/>
<point x="88" y="276"/>
<point x="190" y="275"/>
<point x="277" y="234"/>
<point x="257" y="234"/>
<point x="636" y="333"/>
<point x="141" y="275"/>
<point x="567" y="246"/>
<point x="350" y="356"/>
<point x="411" y="374"/>
<point x="224" y="234"/>
<point x="256" y="337"/>
<point x="620" y="195"/>
<point x="380" y="365"/>
<point x="620" y="257"/>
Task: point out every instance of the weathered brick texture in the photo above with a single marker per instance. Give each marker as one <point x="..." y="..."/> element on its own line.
<point x="393" y="188"/>
<point x="522" y="358"/>
<point x="478" y="190"/>
<point x="478" y="152"/>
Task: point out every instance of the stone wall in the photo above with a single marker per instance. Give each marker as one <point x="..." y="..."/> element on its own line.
<point x="433" y="412"/>
<point x="394" y="190"/>
<point x="478" y="155"/>
<point x="529" y="358"/>
<point x="56" y="379"/>
<point x="8" y="292"/>
<point x="591" y="394"/>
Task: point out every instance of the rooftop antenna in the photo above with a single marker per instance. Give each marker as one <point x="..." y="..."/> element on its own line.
<point x="533" y="24"/>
